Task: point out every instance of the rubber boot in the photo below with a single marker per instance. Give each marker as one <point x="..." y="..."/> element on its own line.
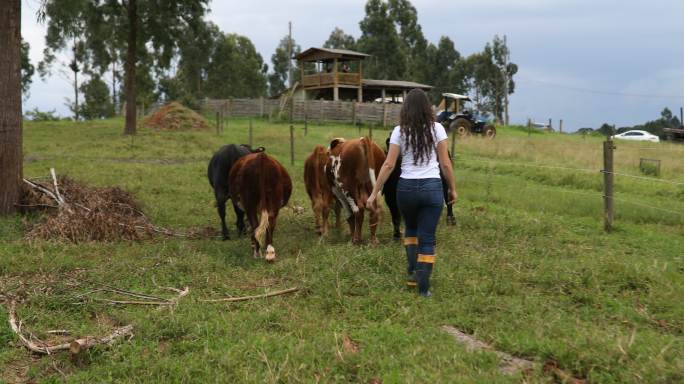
<point x="423" y="272"/>
<point x="411" y="245"/>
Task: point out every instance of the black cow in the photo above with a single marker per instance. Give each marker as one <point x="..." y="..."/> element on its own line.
<point x="390" y="192"/>
<point x="218" y="172"/>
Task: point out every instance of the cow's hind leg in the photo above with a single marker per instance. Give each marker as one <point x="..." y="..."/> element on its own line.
<point x="374" y="222"/>
<point x="317" y="207"/>
<point x="338" y="214"/>
<point x="352" y="226"/>
<point x="451" y="219"/>
<point x="253" y="224"/>
<point x="221" y="208"/>
<point x="391" y="202"/>
<point x="239" y="219"/>
<point x="357" y="236"/>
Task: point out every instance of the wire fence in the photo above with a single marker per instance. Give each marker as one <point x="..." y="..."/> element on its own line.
<point x="571" y="192"/>
<point x="598" y="196"/>
<point x="575" y="169"/>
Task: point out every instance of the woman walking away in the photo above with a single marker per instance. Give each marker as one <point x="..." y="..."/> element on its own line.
<point x="422" y="144"/>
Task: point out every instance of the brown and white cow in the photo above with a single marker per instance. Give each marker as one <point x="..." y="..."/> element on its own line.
<point x="261" y="186"/>
<point x="352" y="168"/>
<point x="318" y="189"/>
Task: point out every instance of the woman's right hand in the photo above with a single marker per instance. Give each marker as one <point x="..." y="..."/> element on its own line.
<point x="453" y="195"/>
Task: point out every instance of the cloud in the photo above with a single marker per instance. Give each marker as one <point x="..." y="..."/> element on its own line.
<point x="610" y="45"/>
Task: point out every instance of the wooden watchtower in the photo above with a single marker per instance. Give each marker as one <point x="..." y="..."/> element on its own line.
<point x="332" y="73"/>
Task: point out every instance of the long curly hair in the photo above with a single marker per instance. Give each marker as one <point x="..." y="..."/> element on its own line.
<point x="417" y="123"/>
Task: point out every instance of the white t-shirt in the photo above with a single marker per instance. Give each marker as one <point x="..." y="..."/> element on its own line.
<point x="427" y="169"/>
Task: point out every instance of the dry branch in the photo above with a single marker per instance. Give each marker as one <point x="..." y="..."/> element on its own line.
<point x="74" y="346"/>
<point x="147" y="299"/>
<point x="245" y="298"/>
<point x="42" y="189"/>
<point x="509" y="364"/>
<point x="60" y="199"/>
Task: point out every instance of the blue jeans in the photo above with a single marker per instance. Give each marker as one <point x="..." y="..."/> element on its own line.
<point x="420" y="202"/>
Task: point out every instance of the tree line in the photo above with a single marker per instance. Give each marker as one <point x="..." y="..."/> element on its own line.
<point x="666" y="120"/>
<point x="138" y="52"/>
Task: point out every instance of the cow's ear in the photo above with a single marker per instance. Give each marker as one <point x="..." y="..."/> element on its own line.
<point x="259" y="149"/>
<point x="335" y="142"/>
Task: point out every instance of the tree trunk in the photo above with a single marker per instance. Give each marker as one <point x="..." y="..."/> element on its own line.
<point x="75" y="92"/>
<point x="114" y="100"/>
<point x="10" y="106"/>
<point x="131" y="58"/>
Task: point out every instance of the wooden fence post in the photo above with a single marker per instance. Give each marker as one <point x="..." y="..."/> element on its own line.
<point x="261" y="107"/>
<point x="217" y="122"/>
<point x="250" y="132"/>
<point x="306" y="117"/>
<point x="320" y="108"/>
<point x="354" y="112"/>
<point x="384" y="115"/>
<point x="291" y="131"/>
<point x="228" y="113"/>
<point x="560" y="126"/>
<point x="291" y="144"/>
<point x="608" y="148"/>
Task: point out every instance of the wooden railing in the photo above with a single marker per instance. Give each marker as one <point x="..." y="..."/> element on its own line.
<point x="328" y="79"/>
<point x="311" y="110"/>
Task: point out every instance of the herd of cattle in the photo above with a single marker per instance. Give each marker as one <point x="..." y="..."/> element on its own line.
<point x="339" y="178"/>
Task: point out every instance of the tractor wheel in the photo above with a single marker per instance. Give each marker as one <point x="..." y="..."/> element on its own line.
<point x="461" y="126"/>
<point x="489" y="131"/>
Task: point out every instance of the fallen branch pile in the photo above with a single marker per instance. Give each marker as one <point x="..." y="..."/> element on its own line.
<point x="75" y="346"/>
<point x="77" y="212"/>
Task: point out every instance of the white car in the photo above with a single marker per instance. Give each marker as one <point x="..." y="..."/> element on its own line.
<point x="638" y="136"/>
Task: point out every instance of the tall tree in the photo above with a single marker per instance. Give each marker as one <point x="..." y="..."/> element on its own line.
<point x="414" y="43"/>
<point x="491" y="77"/>
<point x="278" y="80"/>
<point x="380" y="39"/>
<point x="236" y="69"/>
<point x="27" y="69"/>
<point x="195" y="50"/>
<point x="445" y="69"/>
<point x="97" y="103"/>
<point x="340" y="40"/>
<point x="10" y="107"/>
<point x="504" y="84"/>
<point x="141" y="25"/>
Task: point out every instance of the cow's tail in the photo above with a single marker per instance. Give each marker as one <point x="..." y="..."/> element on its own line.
<point x="368" y="148"/>
<point x="260" y="231"/>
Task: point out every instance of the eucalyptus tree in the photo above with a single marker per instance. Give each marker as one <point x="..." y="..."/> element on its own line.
<point x="10" y="107"/>
<point x="124" y="30"/>
<point x="340" y="40"/>
<point x="27" y="69"/>
<point x="278" y="80"/>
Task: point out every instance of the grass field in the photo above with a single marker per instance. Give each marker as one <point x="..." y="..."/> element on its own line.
<point x="528" y="269"/>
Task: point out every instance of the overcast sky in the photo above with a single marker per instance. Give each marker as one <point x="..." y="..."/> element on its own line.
<point x="584" y="61"/>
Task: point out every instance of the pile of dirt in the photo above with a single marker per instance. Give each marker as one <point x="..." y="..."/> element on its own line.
<point x="175" y="117"/>
<point x="86" y="214"/>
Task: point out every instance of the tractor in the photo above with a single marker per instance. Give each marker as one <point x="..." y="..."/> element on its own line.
<point x="463" y="123"/>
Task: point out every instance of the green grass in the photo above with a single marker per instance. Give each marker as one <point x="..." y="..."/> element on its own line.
<point x="528" y="269"/>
